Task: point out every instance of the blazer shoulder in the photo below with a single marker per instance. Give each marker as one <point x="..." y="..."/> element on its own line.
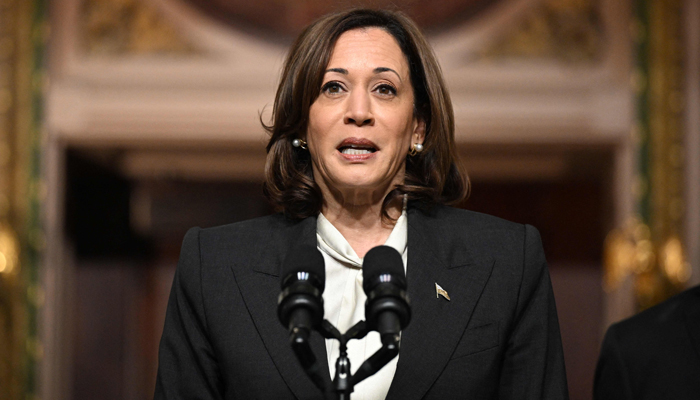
<point x="260" y="226"/>
<point x="658" y="329"/>
<point x="263" y="240"/>
<point x="471" y="220"/>
<point x="457" y="231"/>
<point x="660" y="317"/>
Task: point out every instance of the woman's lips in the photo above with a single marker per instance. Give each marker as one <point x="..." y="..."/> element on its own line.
<point x="357" y="149"/>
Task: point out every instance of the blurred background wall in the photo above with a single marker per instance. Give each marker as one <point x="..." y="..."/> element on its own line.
<point x="125" y="122"/>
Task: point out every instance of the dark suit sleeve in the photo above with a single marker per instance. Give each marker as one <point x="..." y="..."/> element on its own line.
<point x="187" y="366"/>
<point x="533" y="367"/>
<point x="611" y="378"/>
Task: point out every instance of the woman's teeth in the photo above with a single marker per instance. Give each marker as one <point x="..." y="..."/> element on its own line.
<point x="349" y="150"/>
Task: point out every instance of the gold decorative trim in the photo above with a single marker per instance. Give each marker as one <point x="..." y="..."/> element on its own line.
<point x="649" y="248"/>
<point x="628" y="251"/>
<point x="565" y="30"/>
<point x="658" y="270"/>
<point x="672" y="261"/>
<point x="9" y="253"/>
<point x="119" y="27"/>
<point x="23" y="31"/>
<point x="11" y="316"/>
<point x="14" y="17"/>
<point x="665" y="99"/>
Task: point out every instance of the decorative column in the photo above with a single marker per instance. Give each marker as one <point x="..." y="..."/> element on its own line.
<point x="650" y="248"/>
<point x="22" y="38"/>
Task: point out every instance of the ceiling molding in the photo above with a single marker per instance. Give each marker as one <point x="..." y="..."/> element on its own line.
<point x="217" y="94"/>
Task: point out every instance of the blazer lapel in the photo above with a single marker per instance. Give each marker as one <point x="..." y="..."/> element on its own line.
<point x="260" y="286"/>
<point x="692" y="317"/>
<point x="435" y="255"/>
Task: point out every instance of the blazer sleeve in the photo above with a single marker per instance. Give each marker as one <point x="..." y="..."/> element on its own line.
<point x="611" y="376"/>
<point x="533" y="366"/>
<point x="187" y="365"/>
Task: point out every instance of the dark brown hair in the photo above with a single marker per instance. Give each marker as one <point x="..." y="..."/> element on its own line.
<point x="432" y="176"/>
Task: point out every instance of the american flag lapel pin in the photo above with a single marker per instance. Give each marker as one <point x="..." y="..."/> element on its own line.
<point x="439" y="291"/>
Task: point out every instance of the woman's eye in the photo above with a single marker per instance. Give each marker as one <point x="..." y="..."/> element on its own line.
<point x="386" y="90"/>
<point x="332" y="88"/>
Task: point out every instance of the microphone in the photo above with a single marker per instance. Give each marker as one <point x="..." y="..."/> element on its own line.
<point x="387" y="309"/>
<point x="300" y="304"/>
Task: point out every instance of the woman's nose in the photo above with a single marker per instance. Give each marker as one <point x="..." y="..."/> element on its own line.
<point x="359" y="111"/>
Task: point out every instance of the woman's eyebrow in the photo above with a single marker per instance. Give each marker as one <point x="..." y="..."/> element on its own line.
<point x="385" y="69"/>
<point x="338" y="70"/>
<point x="376" y="71"/>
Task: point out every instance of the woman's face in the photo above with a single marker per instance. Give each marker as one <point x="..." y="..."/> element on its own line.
<point x="361" y="126"/>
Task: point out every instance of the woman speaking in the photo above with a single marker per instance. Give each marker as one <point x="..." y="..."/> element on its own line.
<point x="362" y="154"/>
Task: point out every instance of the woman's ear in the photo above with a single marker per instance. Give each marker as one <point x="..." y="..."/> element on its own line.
<point x="418" y="132"/>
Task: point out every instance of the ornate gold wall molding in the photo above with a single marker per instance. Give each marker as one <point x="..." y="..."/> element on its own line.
<point x="665" y="117"/>
<point x="119" y="27"/>
<point x="13" y="19"/>
<point x="659" y="269"/>
<point x="10" y="323"/>
<point x="656" y="259"/>
<point x="22" y="40"/>
<point x="11" y="316"/>
<point x="565" y="30"/>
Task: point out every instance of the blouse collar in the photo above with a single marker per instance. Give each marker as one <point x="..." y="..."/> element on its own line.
<point x="332" y="242"/>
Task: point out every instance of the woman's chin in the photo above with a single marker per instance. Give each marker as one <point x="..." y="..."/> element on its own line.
<point x="363" y="184"/>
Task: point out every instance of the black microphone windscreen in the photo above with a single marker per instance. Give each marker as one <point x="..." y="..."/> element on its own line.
<point x="304" y="258"/>
<point x="379" y="261"/>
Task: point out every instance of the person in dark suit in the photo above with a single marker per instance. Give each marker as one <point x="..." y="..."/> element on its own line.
<point x="654" y="354"/>
<point x="362" y="154"/>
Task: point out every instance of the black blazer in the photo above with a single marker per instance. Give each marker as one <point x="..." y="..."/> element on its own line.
<point x="653" y="355"/>
<point x="498" y="337"/>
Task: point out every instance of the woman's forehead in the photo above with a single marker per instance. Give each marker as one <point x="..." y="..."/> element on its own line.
<point x="368" y="49"/>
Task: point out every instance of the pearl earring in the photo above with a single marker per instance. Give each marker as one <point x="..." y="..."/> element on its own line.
<point x="299" y="143"/>
<point x="415" y="149"/>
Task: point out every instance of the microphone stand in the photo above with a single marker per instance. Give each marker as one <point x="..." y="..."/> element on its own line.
<point x="344" y="381"/>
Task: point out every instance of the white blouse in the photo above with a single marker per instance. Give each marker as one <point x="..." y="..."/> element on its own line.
<point x="344" y="303"/>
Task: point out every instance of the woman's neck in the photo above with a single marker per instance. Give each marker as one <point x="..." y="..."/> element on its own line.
<point x="360" y="222"/>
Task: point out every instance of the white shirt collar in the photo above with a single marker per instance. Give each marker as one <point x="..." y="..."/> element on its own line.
<point x="332" y="242"/>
